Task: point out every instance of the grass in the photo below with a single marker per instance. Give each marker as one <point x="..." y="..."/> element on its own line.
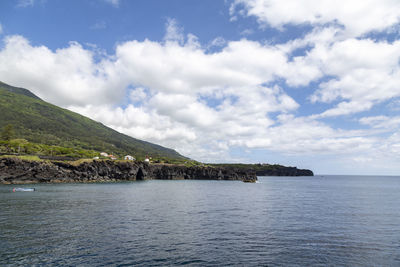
<point x="22" y="146"/>
<point x="23" y="157"/>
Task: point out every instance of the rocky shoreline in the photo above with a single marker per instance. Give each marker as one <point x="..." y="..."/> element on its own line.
<point x="18" y="171"/>
<point x="285" y="171"/>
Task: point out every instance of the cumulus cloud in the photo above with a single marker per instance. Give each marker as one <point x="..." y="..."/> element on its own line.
<point x="365" y="73"/>
<point x="217" y="95"/>
<point x="358" y="17"/>
<point x="316" y="137"/>
<point x="359" y="73"/>
<point x="65" y="76"/>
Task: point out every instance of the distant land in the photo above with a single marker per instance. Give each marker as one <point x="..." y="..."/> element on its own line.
<point x="267" y="169"/>
<point x="40" y="132"/>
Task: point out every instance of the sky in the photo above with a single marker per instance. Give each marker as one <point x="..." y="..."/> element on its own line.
<point x="307" y="83"/>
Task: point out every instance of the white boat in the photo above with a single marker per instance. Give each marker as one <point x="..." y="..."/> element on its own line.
<point x="20" y="189"/>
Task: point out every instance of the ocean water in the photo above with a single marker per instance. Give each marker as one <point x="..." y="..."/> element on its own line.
<point x="279" y="221"/>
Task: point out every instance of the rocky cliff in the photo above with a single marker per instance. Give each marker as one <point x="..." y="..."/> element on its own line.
<point x="267" y="169"/>
<point x="17" y="171"/>
<point x="285" y="171"/>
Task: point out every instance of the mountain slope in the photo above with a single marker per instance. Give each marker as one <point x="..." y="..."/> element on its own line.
<point x="38" y="121"/>
<point x="17" y="90"/>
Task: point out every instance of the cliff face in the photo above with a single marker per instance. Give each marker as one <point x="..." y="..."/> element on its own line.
<point x="267" y="169"/>
<point x="16" y="171"/>
<point x="285" y="171"/>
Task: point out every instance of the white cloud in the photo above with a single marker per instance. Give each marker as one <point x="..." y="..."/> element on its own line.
<point x="247" y="32"/>
<point x="115" y="3"/>
<point x="364" y="73"/>
<point x="383" y="122"/>
<point x="315" y="137"/>
<point x="137" y="95"/>
<point x="344" y="108"/>
<point x="171" y="67"/>
<point x="358" y="73"/>
<point x="217" y="42"/>
<point x="67" y="76"/>
<point x="25" y="3"/>
<point x="1" y="29"/>
<point x="394" y="105"/>
<point x="99" y="25"/>
<point x="356" y="16"/>
<point x="174" y="33"/>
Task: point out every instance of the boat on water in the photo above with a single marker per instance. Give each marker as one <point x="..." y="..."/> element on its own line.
<point x="249" y="181"/>
<point x="20" y="189"/>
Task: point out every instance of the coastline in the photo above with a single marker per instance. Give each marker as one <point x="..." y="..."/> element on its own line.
<point x="19" y="171"/>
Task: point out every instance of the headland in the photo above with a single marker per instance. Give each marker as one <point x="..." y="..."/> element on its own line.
<point x="19" y="171"/>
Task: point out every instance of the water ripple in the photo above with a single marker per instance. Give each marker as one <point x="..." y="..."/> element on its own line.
<point x="296" y="221"/>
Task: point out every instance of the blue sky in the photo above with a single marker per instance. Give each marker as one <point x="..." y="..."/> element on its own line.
<point x="55" y="23"/>
<point x="294" y="82"/>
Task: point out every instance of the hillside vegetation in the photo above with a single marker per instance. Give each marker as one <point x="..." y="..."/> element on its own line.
<point x="23" y="147"/>
<point x="39" y="122"/>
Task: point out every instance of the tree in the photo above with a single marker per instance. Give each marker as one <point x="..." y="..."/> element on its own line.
<point x="7" y="133"/>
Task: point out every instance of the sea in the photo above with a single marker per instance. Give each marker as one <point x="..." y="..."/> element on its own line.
<point x="278" y="221"/>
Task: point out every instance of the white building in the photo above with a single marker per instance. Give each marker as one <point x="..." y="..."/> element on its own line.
<point x="103" y="154"/>
<point x="129" y="157"/>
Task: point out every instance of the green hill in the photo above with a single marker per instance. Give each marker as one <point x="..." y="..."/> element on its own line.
<point x="40" y="122"/>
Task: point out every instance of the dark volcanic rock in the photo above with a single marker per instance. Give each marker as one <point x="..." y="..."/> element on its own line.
<point x="285" y="171"/>
<point x="14" y="171"/>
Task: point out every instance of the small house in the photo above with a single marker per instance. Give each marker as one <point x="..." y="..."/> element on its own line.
<point x="103" y="154"/>
<point x="129" y="157"/>
<point x="112" y="157"/>
<point x="96" y="158"/>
